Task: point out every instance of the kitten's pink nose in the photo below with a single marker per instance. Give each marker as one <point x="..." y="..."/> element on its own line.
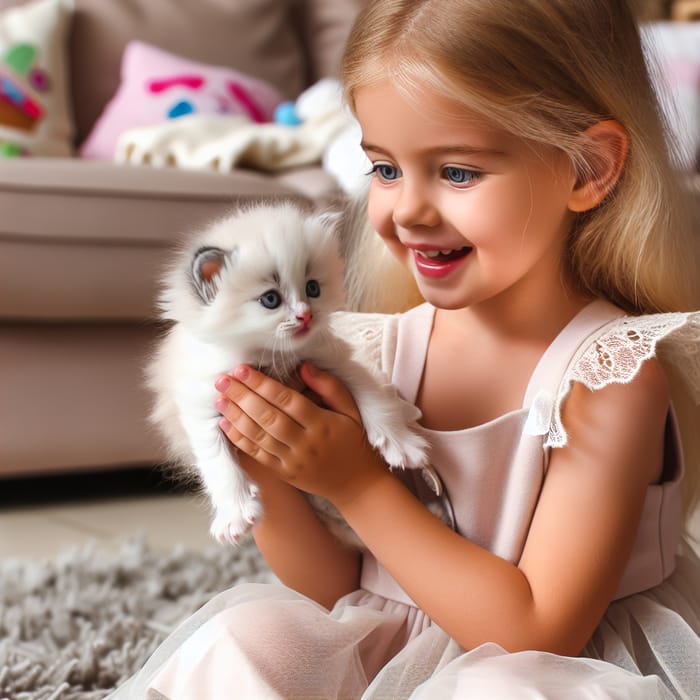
<point x="305" y="317"/>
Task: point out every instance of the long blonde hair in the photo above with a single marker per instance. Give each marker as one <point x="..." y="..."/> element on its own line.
<point x="545" y="71"/>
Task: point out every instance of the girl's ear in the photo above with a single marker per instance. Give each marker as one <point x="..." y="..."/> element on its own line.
<point x="608" y="145"/>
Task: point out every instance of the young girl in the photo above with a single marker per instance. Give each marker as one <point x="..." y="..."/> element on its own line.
<point x="519" y="171"/>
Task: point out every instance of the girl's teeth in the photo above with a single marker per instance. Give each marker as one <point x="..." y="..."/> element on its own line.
<point x="435" y="253"/>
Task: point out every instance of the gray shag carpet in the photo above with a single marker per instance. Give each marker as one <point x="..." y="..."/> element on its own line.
<point x="74" y="627"/>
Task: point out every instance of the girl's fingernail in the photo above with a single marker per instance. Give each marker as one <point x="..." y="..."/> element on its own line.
<point x="241" y="372"/>
<point x="223" y="383"/>
<point x="220" y="403"/>
<point x="225" y="425"/>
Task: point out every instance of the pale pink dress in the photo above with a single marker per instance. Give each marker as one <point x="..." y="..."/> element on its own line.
<point x="263" y="641"/>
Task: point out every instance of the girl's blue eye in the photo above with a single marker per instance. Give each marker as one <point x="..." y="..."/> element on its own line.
<point x="271" y="299"/>
<point x="386" y="172"/>
<point x="459" y="176"/>
<point x="313" y="289"/>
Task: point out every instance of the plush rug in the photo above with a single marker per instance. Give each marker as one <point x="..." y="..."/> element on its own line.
<point x="74" y="627"/>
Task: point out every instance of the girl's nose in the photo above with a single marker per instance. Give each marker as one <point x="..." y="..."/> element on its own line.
<point x="414" y="207"/>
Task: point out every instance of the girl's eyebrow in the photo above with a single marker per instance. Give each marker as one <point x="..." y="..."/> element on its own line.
<point x="443" y="150"/>
<point x="371" y="147"/>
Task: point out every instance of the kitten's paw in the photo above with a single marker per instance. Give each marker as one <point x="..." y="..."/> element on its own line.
<point x="252" y="510"/>
<point x="401" y="449"/>
<point x="233" y="522"/>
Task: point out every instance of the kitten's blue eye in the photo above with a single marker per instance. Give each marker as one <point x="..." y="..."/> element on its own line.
<point x="459" y="176"/>
<point x="313" y="289"/>
<point x="271" y="299"/>
<point x="386" y="171"/>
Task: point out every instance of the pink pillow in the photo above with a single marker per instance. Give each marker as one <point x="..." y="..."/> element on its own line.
<point x="157" y="85"/>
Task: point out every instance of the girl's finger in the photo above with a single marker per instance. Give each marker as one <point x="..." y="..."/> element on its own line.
<point x="255" y="392"/>
<point x="261" y="433"/>
<point x="246" y="446"/>
<point x="264" y="400"/>
<point x="331" y="390"/>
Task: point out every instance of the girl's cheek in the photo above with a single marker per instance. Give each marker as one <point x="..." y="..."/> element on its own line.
<point x="375" y="202"/>
<point x="380" y="215"/>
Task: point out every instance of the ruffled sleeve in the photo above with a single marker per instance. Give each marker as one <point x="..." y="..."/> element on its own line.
<point x="616" y="354"/>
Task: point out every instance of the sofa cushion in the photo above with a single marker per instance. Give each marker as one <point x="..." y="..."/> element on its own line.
<point x="35" y="113"/>
<point x="255" y="37"/>
<point x="111" y="230"/>
<point x="324" y="26"/>
<point x="158" y="86"/>
<point x="83" y="384"/>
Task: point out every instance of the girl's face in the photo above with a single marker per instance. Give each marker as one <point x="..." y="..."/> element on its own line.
<point x="476" y="214"/>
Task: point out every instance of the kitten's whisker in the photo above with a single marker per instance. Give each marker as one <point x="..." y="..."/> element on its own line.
<point x="284" y="357"/>
<point x="273" y="356"/>
<point x="267" y="357"/>
<point x="277" y="357"/>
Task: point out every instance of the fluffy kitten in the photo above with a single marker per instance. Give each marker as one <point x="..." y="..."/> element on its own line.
<point x="258" y="287"/>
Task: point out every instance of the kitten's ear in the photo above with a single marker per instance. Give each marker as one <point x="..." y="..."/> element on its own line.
<point x="330" y="220"/>
<point x="206" y="267"/>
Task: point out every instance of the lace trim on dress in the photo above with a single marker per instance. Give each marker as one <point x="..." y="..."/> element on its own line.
<point x="616" y="355"/>
<point x="364" y="332"/>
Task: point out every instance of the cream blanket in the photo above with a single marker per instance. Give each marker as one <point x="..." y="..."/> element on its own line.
<point x="220" y="143"/>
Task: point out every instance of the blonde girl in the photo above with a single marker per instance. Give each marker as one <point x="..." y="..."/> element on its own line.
<point x="520" y="173"/>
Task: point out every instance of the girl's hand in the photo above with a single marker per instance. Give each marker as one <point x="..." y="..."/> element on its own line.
<point x="320" y="449"/>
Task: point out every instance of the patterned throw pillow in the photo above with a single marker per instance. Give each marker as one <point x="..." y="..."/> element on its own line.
<point x="157" y="86"/>
<point x="35" y="115"/>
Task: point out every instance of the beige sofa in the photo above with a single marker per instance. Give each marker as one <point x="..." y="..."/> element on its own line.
<point x="82" y="242"/>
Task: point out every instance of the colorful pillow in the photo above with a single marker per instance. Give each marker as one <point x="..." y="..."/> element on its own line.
<point x="157" y="86"/>
<point x="35" y="114"/>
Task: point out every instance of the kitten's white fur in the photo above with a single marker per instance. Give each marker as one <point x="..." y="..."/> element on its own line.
<point x="214" y="294"/>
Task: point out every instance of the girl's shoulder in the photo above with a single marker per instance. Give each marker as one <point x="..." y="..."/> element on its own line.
<point x="616" y="353"/>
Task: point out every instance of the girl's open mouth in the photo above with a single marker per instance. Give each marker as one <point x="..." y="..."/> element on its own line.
<point x="439" y="263"/>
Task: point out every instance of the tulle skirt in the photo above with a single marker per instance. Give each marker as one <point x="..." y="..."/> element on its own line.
<point x="260" y="641"/>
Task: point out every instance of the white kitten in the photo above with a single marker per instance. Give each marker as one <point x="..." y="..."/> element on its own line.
<point x="258" y="287"/>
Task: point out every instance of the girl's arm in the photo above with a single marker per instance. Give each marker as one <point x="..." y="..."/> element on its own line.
<point x="297" y="546"/>
<point x="579" y="541"/>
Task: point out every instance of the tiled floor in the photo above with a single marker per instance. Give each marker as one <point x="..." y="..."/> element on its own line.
<point x="40" y="518"/>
